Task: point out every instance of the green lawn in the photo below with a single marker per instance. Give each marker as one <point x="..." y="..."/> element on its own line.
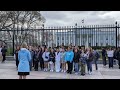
<point x="9" y="52"/>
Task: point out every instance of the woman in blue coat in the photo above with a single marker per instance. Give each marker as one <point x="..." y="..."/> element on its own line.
<point x="24" y="58"/>
<point x="69" y="58"/>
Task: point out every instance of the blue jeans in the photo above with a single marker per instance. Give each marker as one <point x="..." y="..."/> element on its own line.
<point x="110" y="61"/>
<point x="96" y="63"/>
<point x="76" y="65"/>
<point x="89" y="66"/>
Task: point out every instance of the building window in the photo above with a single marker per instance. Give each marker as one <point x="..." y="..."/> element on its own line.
<point x="112" y="44"/>
<point x="89" y="44"/>
<point x="58" y="44"/>
<point x="62" y="38"/>
<point x="112" y="38"/>
<point x="96" y="44"/>
<point x="106" y="38"/>
<point x="57" y="38"/>
<point x="106" y="44"/>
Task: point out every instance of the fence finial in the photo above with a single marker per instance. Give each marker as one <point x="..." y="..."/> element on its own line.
<point x="116" y="22"/>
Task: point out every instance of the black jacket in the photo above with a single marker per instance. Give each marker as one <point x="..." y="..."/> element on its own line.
<point x="52" y="57"/>
<point x="115" y="54"/>
<point x="3" y="50"/>
<point x="40" y="55"/>
<point x="104" y="53"/>
<point x="118" y="55"/>
<point x="76" y="57"/>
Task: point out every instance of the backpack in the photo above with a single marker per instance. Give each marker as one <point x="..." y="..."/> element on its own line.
<point x="97" y="55"/>
<point x="91" y="57"/>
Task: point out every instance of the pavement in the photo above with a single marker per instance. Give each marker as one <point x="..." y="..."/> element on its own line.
<point x="8" y="71"/>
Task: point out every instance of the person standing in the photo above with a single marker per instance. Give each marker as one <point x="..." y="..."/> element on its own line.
<point x="76" y="60"/>
<point x="36" y="59"/>
<point x="24" y="58"/>
<point x="4" y="50"/>
<point x="16" y="55"/>
<point x="90" y="58"/>
<point x="32" y="53"/>
<point x="118" y="57"/>
<point x="96" y="57"/>
<point x="69" y="58"/>
<point x="62" y="60"/>
<point x="110" y="53"/>
<point x="0" y="52"/>
<point x="115" y="56"/>
<point x="45" y="57"/>
<point x="57" y="61"/>
<point x="51" y="60"/>
<point x="41" y="59"/>
<point x="83" y="60"/>
<point x="104" y="53"/>
<point x="33" y="61"/>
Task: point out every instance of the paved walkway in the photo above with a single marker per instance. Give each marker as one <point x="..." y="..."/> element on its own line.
<point x="8" y="71"/>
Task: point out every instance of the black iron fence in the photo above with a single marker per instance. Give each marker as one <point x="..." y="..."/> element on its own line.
<point x="87" y="35"/>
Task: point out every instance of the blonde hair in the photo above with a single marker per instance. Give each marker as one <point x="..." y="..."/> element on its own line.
<point x="24" y="45"/>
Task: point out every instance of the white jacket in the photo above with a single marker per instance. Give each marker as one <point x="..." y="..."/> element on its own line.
<point x="44" y="55"/>
<point x="57" y="56"/>
<point x="110" y="53"/>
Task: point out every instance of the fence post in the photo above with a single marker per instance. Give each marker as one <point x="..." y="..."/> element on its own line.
<point x="43" y="37"/>
<point x="116" y="33"/>
<point x="13" y="41"/>
<point x="76" y="34"/>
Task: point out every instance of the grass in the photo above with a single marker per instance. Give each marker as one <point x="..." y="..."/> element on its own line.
<point x="9" y="52"/>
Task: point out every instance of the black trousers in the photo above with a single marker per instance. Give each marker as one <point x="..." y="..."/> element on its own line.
<point x="42" y="64"/>
<point x="104" y="60"/>
<point x="17" y="62"/>
<point x="4" y="58"/>
<point x="70" y="66"/>
<point x="36" y="66"/>
<point x="110" y="62"/>
<point x="119" y="63"/>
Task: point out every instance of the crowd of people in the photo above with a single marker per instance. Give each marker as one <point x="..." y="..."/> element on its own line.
<point x="67" y="60"/>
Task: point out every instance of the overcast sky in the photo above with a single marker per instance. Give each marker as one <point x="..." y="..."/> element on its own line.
<point x="69" y="18"/>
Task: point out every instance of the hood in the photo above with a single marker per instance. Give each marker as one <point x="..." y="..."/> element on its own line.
<point x="23" y="50"/>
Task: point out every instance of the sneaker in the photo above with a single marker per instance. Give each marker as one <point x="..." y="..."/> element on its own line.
<point x="83" y="74"/>
<point x="76" y="73"/>
<point x="44" y="70"/>
<point x="61" y="70"/>
<point x="64" y="71"/>
<point x="51" y="70"/>
<point x="90" y="73"/>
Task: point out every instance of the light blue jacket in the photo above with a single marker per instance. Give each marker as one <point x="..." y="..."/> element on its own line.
<point x="69" y="56"/>
<point x="24" y="58"/>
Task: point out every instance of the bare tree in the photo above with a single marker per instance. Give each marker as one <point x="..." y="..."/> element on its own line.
<point x="20" y="20"/>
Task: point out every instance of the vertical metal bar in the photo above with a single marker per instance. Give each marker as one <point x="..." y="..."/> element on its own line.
<point x="116" y="33"/>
